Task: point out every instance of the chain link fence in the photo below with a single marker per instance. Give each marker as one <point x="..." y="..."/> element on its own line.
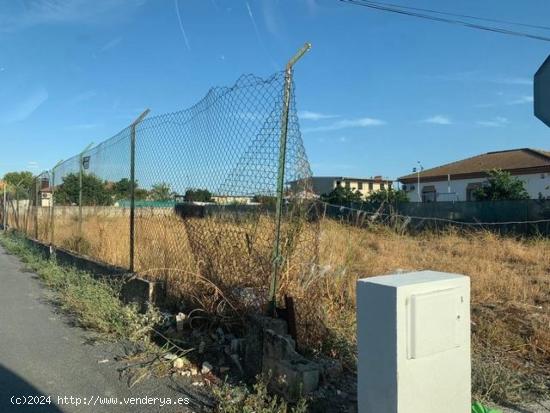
<point x="214" y="200"/>
<point x="529" y="217"/>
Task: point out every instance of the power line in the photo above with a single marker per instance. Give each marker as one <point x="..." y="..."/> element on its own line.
<point x="401" y="10"/>
<point x="467" y="16"/>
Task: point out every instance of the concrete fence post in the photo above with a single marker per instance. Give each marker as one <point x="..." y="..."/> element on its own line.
<point x="413" y="333"/>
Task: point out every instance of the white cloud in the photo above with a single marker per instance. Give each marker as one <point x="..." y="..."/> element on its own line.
<point x="26" y="107"/>
<point x="496" y="122"/>
<point x="509" y="80"/>
<point x="308" y="115"/>
<point x="522" y="100"/>
<point x="359" y="123"/>
<point x="20" y="15"/>
<point x="348" y="123"/>
<point x="438" y="120"/>
<point x="33" y="166"/>
<point x="477" y="76"/>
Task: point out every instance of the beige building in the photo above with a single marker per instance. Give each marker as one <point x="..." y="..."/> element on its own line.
<point x="366" y="186"/>
<point x="45" y="195"/>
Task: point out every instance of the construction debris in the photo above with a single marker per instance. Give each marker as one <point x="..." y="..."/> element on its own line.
<point x="206" y="367"/>
<point x="178" y="363"/>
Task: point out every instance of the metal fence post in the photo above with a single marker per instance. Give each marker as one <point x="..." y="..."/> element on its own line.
<point x="17" y="208"/>
<point x="277" y="258"/>
<point x="36" y="194"/>
<point x="52" y="205"/>
<point x="81" y="171"/>
<point x="133" y="184"/>
<point x="5" y="206"/>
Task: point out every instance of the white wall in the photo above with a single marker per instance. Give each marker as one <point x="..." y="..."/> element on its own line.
<point x="533" y="185"/>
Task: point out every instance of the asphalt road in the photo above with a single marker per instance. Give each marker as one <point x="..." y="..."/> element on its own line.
<point x="42" y="354"/>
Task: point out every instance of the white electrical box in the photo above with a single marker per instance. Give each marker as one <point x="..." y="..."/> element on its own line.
<point x="413" y="333"/>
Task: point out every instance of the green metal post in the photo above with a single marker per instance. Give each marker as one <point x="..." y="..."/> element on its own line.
<point x="277" y="258"/>
<point x="52" y="205"/>
<point x="5" y="206"/>
<point x="36" y="194"/>
<point x="133" y="184"/>
<point x="81" y="171"/>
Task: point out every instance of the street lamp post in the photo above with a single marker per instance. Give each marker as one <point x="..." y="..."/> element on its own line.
<point x="418" y="169"/>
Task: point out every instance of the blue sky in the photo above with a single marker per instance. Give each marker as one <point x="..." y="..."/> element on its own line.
<point x="377" y="93"/>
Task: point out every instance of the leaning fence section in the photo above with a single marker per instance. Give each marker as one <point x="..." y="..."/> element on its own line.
<point x="219" y="161"/>
<point x="191" y="195"/>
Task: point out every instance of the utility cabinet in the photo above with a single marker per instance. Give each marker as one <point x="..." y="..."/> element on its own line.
<point x="413" y="332"/>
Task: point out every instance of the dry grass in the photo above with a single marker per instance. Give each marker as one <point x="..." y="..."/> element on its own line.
<point x="510" y="281"/>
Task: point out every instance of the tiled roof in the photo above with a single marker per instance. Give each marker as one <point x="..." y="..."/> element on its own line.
<point x="515" y="159"/>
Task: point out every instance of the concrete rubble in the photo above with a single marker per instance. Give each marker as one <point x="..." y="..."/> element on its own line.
<point x="142" y="292"/>
<point x="206" y="367"/>
<point x="271" y="351"/>
<point x="266" y="349"/>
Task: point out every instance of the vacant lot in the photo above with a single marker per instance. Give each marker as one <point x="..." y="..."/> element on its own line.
<point x="510" y="296"/>
<point x="510" y="282"/>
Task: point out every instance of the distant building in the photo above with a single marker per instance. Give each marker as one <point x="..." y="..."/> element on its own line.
<point x="457" y="181"/>
<point x="326" y="184"/>
<point x="45" y="193"/>
<point x="45" y="196"/>
<point x="232" y="199"/>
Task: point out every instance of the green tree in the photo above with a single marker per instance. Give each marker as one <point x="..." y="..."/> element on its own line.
<point x="342" y="196"/>
<point x="501" y="185"/>
<point x="160" y="192"/>
<point x="20" y="183"/>
<point x="94" y="191"/>
<point x="198" y="195"/>
<point x="141" y="194"/>
<point x="390" y="195"/>
<point x="121" y="190"/>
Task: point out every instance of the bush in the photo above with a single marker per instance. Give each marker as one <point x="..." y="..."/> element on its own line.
<point x="198" y="195"/>
<point x="240" y="399"/>
<point x="342" y="196"/>
<point x="501" y="186"/>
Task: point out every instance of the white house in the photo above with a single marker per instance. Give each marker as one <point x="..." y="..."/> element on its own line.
<point x="458" y="180"/>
